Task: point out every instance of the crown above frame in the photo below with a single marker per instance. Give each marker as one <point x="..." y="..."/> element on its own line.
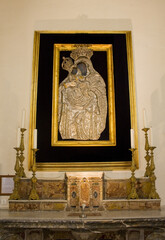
<point x="81" y="51"/>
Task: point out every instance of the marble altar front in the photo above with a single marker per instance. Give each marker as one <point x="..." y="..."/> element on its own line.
<point x="60" y="225"/>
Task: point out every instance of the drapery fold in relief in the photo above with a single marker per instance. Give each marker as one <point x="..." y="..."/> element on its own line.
<point x="82" y="105"/>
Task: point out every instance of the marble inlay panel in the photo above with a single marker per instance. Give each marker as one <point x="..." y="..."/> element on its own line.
<point x="112" y="188"/>
<point x="120" y="188"/>
<point x="140" y="204"/>
<point x="19" y="206"/>
<point x="37" y="205"/>
<point x="46" y="189"/>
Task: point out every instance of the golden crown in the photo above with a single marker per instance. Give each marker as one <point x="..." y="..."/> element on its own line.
<point x="81" y="52"/>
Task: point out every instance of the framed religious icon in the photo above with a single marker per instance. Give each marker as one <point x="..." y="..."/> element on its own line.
<point x="82" y="107"/>
<point x="83" y="101"/>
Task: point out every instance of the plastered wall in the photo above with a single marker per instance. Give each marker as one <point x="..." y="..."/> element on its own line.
<point x="18" y="21"/>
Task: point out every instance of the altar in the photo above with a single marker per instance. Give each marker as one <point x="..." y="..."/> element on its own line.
<point x="90" y="190"/>
<point x="83" y="130"/>
<point x="83" y="206"/>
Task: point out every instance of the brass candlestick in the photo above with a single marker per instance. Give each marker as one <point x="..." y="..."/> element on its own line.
<point x="22" y="158"/>
<point x="133" y="194"/>
<point x="33" y="193"/>
<point x="147" y="157"/>
<point x="15" y="195"/>
<point x="153" y="194"/>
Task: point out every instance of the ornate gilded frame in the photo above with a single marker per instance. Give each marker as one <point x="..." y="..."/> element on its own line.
<point x="84" y="166"/>
<point x="111" y="98"/>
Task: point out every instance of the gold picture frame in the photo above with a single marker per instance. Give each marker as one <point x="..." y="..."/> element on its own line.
<point x="107" y="48"/>
<point x="75" y="163"/>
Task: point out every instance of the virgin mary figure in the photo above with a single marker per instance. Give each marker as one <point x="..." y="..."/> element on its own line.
<point x="82" y="105"/>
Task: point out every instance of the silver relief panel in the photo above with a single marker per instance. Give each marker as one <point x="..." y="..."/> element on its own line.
<point x="82" y="103"/>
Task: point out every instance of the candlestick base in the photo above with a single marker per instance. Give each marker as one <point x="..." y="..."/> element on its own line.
<point x="33" y="194"/>
<point x="147" y="157"/>
<point x="153" y="194"/>
<point x="15" y="195"/>
<point x="133" y="194"/>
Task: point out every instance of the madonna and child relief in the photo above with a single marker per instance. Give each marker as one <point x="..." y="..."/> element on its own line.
<point x="82" y="104"/>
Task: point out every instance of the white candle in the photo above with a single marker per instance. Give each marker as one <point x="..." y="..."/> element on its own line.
<point x="150" y="137"/>
<point x="23" y="118"/>
<point x="144" y="118"/>
<point x="35" y="139"/>
<point x="132" y="138"/>
<point x="18" y="138"/>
